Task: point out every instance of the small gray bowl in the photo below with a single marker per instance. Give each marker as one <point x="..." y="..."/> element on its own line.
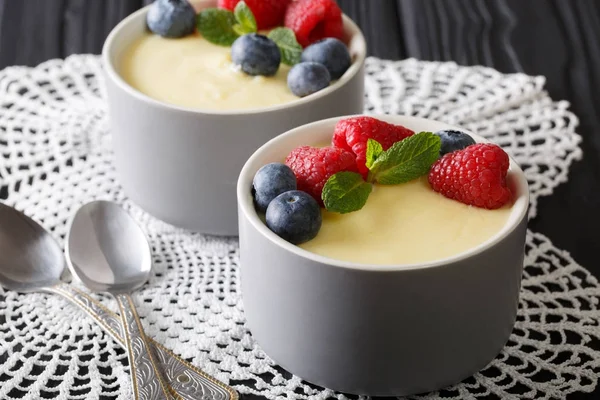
<point x="181" y="164"/>
<point x="370" y="329"/>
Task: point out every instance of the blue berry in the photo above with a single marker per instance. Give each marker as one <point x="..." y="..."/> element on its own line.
<point x="171" y="18"/>
<point x="453" y="141"/>
<point x="307" y="78"/>
<point x="256" y="54"/>
<point x="270" y="181"/>
<point x="330" y="52"/>
<point x="294" y="216"/>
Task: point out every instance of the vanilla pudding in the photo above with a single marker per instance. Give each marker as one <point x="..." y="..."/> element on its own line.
<point x="405" y="224"/>
<point x="192" y="72"/>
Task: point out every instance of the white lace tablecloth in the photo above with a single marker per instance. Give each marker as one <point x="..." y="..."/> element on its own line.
<point x="55" y="155"/>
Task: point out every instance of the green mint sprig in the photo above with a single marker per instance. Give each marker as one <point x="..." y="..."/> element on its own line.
<point x="374" y="150"/>
<point x="246" y="21"/>
<point x="406" y="160"/>
<point x="346" y="192"/>
<point x="223" y="27"/>
<point x="290" y="49"/>
<point x="216" y="25"/>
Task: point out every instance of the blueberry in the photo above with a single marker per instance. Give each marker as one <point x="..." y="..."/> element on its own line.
<point x="453" y="141"/>
<point x="256" y="54"/>
<point x="270" y="181"/>
<point x="330" y="52"/>
<point x="171" y="18"/>
<point x="307" y="78"/>
<point x="295" y="216"/>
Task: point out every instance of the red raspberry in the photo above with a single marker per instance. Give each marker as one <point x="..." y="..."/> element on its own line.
<point x="313" y="166"/>
<point x="352" y="134"/>
<point x="312" y="20"/>
<point x="268" y="13"/>
<point x="475" y="175"/>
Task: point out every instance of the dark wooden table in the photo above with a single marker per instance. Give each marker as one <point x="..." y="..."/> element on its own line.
<point x="559" y="39"/>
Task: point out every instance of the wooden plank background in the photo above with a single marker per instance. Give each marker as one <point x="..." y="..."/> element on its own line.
<point x="559" y="39"/>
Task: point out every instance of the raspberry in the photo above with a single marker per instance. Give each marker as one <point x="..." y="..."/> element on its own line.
<point x="312" y="20"/>
<point x="268" y="13"/>
<point x="352" y="134"/>
<point x="475" y="176"/>
<point x="313" y="166"/>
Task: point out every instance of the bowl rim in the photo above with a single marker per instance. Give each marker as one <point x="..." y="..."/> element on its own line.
<point x="247" y="210"/>
<point x="357" y="42"/>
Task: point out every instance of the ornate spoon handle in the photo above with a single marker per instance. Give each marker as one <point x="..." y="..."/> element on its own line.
<point x="184" y="380"/>
<point x="148" y="383"/>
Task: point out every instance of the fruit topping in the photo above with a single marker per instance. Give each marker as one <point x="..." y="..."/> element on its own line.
<point x="225" y="27"/>
<point x="454" y="140"/>
<point x="330" y="52"/>
<point x="475" y="176"/>
<point x="352" y="134"/>
<point x="268" y="13"/>
<point x="312" y="20"/>
<point x="313" y="166"/>
<point x="269" y="182"/>
<point x="294" y="216"/>
<point x="307" y="78"/>
<point x="256" y="54"/>
<point x="236" y="23"/>
<point x="404" y="161"/>
<point x="312" y="177"/>
<point x="171" y="18"/>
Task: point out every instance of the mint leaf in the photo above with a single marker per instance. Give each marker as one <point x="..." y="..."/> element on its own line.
<point x="374" y="149"/>
<point x="240" y="30"/>
<point x="216" y="25"/>
<point x="345" y="192"/>
<point x="406" y="160"/>
<point x="289" y="47"/>
<point x="246" y="21"/>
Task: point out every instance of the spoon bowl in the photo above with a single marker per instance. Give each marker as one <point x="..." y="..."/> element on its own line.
<point x="107" y="250"/>
<point x="30" y="258"/>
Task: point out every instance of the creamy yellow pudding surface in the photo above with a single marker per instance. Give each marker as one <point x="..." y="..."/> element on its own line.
<point x="192" y="72"/>
<point x="405" y="224"/>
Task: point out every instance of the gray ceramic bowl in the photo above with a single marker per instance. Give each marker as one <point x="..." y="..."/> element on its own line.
<point x="181" y="164"/>
<point x="377" y="330"/>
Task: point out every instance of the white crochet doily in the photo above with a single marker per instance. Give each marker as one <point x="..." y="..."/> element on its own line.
<point x="55" y="155"/>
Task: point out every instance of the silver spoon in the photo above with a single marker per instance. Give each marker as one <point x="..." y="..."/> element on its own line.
<point x="32" y="261"/>
<point x="108" y="252"/>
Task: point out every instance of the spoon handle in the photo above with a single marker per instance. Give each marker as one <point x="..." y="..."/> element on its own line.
<point x="148" y="383"/>
<point x="185" y="380"/>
